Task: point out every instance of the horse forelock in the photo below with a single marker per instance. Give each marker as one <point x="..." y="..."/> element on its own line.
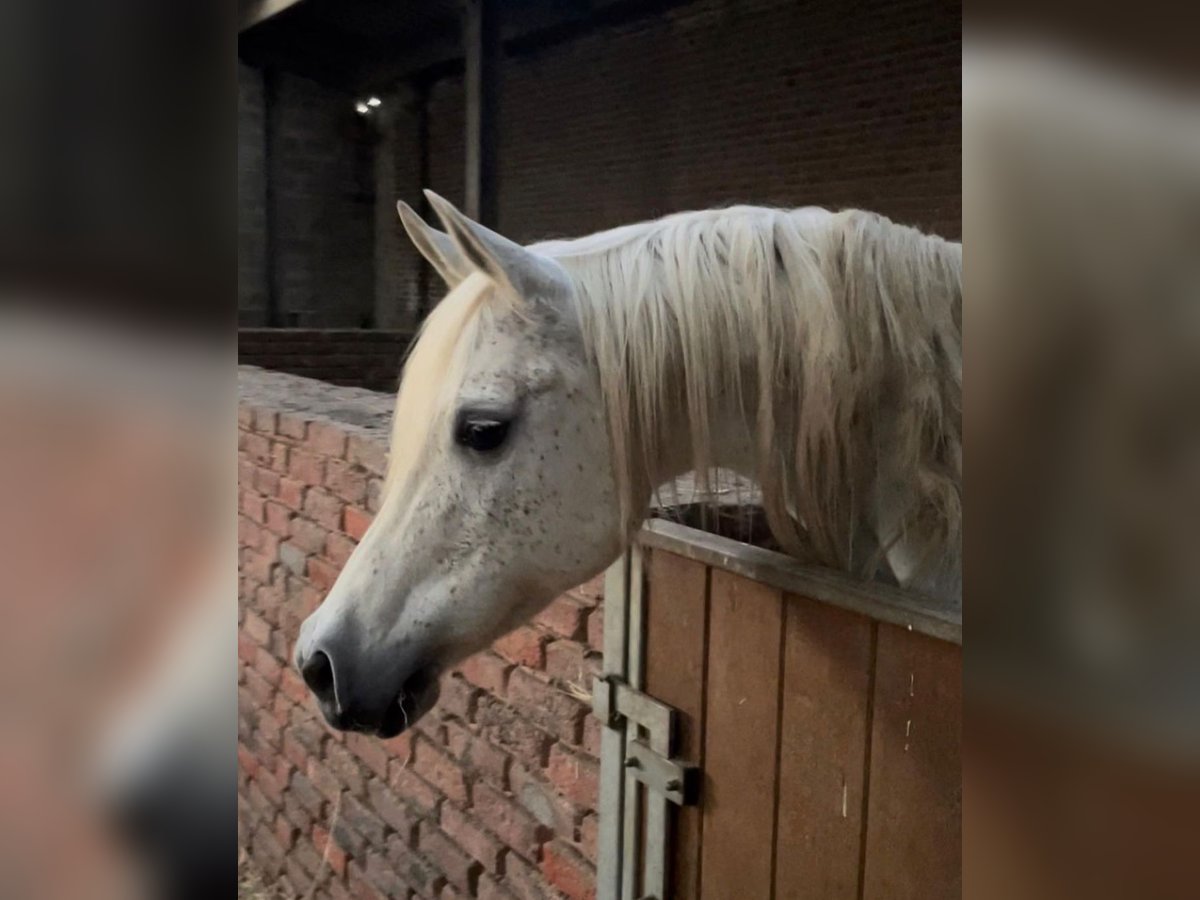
<point x="433" y="371"/>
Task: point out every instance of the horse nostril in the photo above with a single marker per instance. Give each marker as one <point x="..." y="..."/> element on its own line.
<point x="318" y="675"/>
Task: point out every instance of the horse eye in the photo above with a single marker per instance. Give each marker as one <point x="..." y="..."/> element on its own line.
<point x="481" y="434"/>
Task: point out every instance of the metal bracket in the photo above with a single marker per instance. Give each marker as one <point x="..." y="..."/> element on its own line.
<point x="652" y="763"/>
<point x="678" y="781"/>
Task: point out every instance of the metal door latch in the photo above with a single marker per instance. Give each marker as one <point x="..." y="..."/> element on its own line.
<point x="651" y="761"/>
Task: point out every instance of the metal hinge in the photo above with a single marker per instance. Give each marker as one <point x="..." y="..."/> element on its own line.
<point x="651" y="761"/>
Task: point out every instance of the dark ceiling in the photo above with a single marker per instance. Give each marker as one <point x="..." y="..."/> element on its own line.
<point x="361" y="45"/>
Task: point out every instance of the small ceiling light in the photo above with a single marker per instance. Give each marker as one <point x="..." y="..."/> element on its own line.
<point x="374" y="101"/>
<point x="361" y="108"/>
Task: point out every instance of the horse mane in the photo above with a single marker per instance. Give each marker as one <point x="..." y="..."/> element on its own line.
<point x="822" y="325"/>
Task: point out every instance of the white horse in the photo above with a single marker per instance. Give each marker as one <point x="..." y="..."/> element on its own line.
<point x="557" y="385"/>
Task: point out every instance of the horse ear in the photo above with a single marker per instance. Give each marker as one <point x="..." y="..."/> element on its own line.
<point x="436" y="246"/>
<point x="528" y="274"/>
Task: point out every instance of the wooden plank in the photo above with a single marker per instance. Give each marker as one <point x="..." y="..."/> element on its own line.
<point x="882" y="602"/>
<point x="914" y="811"/>
<point x="676" y="635"/>
<point x="740" y="739"/>
<point x="828" y="659"/>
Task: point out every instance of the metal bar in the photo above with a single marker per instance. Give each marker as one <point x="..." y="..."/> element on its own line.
<point x="656" y="717"/>
<point x="612" y="739"/>
<point x="631" y="864"/>
<point x="481" y="34"/>
<point x="876" y="601"/>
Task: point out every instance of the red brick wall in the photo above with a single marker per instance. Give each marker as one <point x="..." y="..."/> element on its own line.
<point x="351" y="357"/>
<point x="493" y="794"/>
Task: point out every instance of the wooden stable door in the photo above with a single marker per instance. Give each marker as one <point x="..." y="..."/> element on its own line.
<point x="827" y="737"/>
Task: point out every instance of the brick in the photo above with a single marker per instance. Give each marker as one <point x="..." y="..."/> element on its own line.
<point x="255" y="446"/>
<point x="255" y="565"/>
<point x="260" y="689"/>
<point x="468" y="834"/>
<point x="595" y="629"/>
<point x="574" y="776"/>
<point x="371" y="751"/>
<point x="551" y="708"/>
<point x="247" y="649"/>
<point x="264" y="421"/>
<point x="525" y="646"/>
<point x="298" y="878"/>
<point x="247" y="762"/>
<point x="321" y="573"/>
<point x="345" y="766"/>
<point x="268" y="666"/>
<point x="307" y="795"/>
<point x="323" y="508"/>
<point x="267" y="852"/>
<point x="254" y="506"/>
<point x="285" y="831"/>
<point x="476" y="754"/>
<point x="488" y="671"/>
<point x="257" y="628"/>
<point x="326" y="439"/>
<point x="592" y="734"/>
<point x="362" y="819"/>
<point x="589" y="831"/>
<point x="267" y="482"/>
<point x="413" y="789"/>
<point x="391" y="809"/>
<point x="488" y="888"/>
<point x="307" y="856"/>
<point x="268" y="598"/>
<point x="291" y="426"/>
<point x="346" y="481"/>
<point x="525" y="880"/>
<point x="570" y="662"/>
<point x="308" y="535"/>
<point x="368" y="453"/>
<point x="459" y="868"/>
<point x="565" y="617"/>
<point x="338" y="548"/>
<point x="505" y="818"/>
<point x="374" y="495"/>
<point x="291" y="684"/>
<point x="333" y="855"/>
<point x="566" y="870"/>
<point x="296" y="813"/>
<point x="278" y="518"/>
<point x="324" y="780"/>
<point x="591" y="592"/>
<point x="440" y="770"/>
<point x="279" y="457"/>
<point x="291" y="493"/>
<point x="305" y="467"/>
<point x="534" y="792"/>
<point x="355" y="522"/>
<point x="415" y="871"/>
<point x="293" y="557"/>
<point x="505" y="726"/>
<point x="458" y="698"/>
<point x="245" y="418"/>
